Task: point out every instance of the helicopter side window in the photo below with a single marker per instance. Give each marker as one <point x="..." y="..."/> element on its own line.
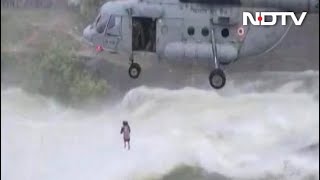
<point x="112" y="22"/>
<point x="114" y="26"/>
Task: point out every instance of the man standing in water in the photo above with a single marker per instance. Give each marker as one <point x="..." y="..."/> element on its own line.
<point x="125" y="130"/>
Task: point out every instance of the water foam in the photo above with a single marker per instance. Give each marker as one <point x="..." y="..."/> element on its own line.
<point x="246" y="135"/>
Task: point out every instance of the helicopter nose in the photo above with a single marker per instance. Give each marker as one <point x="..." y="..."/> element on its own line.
<point x="87" y="33"/>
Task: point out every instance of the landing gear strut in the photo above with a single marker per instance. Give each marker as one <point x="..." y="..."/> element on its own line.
<point x="134" y="69"/>
<point x="217" y="78"/>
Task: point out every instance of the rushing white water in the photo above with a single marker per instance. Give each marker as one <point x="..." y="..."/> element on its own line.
<point x="240" y="132"/>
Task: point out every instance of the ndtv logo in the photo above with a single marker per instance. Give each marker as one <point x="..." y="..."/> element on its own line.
<point x="260" y="19"/>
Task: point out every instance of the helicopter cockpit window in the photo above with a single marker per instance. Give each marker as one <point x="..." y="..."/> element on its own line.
<point x="101" y="24"/>
<point x="114" y="26"/>
<point x="98" y="19"/>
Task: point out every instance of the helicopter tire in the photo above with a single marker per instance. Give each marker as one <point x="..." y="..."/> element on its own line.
<point x="217" y="79"/>
<point x="134" y="70"/>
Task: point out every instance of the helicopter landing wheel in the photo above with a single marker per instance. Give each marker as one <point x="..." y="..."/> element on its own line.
<point x="217" y="79"/>
<point x="134" y="70"/>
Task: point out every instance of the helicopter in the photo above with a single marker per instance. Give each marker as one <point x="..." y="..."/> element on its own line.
<point x="214" y="33"/>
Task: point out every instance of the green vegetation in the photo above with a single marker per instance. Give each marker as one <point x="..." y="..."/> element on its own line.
<point x="57" y="73"/>
<point x="184" y="172"/>
<point x="63" y="76"/>
<point x="89" y="8"/>
<point x="11" y="35"/>
<point x="40" y="56"/>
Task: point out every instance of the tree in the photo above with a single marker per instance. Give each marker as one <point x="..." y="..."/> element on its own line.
<point x="88" y="8"/>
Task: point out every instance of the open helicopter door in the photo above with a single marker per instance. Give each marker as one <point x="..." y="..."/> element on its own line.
<point x="143" y="34"/>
